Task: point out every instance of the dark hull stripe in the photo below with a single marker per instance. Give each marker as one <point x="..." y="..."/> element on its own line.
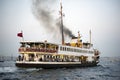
<point x="47" y="66"/>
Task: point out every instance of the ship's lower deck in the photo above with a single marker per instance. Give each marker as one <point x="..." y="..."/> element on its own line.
<point x="48" y="65"/>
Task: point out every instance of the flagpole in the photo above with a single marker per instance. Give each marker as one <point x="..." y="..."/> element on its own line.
<point x="22" y="35"/>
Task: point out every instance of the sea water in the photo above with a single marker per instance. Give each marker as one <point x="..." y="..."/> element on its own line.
<point x="107" y="69"/>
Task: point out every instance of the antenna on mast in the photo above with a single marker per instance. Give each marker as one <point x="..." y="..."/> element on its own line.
<point x="61" y="17"/>
<point x="90" y="35"/>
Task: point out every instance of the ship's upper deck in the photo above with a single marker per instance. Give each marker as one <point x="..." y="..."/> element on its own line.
<point x="37" y="46"/>
<point x="30" y="46"/>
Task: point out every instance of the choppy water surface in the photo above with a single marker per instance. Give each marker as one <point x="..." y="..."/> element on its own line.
<point x="107" y="69"/>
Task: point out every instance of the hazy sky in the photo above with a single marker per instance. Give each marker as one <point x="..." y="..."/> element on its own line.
<point x="101" y="16"/>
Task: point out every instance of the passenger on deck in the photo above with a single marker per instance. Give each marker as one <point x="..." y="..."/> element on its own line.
<point x="19" y="58"/>
<point x="40" y="59"/>
<point x="36" y="58"/>
<point x="23" y="58"/>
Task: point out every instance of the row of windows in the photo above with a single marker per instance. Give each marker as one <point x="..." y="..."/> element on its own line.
<point x="74" y="50"/>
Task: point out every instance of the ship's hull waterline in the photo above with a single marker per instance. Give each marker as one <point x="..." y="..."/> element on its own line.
<point x="49" y="65"/>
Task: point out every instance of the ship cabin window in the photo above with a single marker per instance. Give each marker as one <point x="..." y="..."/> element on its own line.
<point x="61" y="48"/>
<point x="74" y="50"/>
<point x="90" y="51"/>
<point x="84" y="51"/>
<point x="71" y="49"/>
<point x="68" y="49"/>
<point x="79" y="50"/>
<point x="65" y="48"/>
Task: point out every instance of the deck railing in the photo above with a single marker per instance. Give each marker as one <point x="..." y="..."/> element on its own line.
<point x="37" y="50"/>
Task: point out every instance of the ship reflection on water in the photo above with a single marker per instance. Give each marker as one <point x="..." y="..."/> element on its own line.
<point x="107" y="69"/>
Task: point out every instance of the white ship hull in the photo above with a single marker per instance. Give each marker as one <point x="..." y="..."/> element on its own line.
<point x="59" y="57"/>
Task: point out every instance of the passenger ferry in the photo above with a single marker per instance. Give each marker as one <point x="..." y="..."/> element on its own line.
<point x="37" y="54"/>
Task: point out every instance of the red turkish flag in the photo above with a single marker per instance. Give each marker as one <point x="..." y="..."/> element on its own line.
<point x="20" y="34"/>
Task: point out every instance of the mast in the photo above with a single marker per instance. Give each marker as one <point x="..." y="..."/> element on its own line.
<point x="61" y="16"/>
<point x="90" y="36"/>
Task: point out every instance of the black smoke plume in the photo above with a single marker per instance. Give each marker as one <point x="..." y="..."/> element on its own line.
<point x="42" y="11"/>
